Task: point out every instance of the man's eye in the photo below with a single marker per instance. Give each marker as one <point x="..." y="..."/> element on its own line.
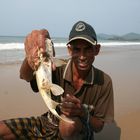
<point x="76" y="49"/>
<point x="88" y="48"/>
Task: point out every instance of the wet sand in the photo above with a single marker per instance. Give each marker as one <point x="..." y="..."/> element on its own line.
<point x="122" y="64"/>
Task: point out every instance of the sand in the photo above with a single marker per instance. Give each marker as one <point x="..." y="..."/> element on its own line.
<point x="18" y="100"/>
<point x="16" y="97"/>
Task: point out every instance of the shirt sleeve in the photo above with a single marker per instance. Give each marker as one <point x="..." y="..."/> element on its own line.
<point x="104" y="108"/>
<point x="26" y="73"/>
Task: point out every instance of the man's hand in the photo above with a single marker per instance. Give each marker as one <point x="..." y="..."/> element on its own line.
<point x="35" y="41"/>
<point x="72" y="107"/>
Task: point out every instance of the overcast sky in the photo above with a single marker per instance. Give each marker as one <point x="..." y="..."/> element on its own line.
<point x="19" y="17"/>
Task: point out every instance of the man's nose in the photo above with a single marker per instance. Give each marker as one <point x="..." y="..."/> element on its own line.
<point x="82" y="54"/>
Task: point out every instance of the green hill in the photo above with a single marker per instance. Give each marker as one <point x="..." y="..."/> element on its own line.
<point x="126" y="37"/>
<point x="131" y="36"/>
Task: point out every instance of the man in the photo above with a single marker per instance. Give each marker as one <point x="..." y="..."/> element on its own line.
<point x="88" y="92"/>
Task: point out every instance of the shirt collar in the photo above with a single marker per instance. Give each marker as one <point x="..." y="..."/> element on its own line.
<point x="67" y="75"/>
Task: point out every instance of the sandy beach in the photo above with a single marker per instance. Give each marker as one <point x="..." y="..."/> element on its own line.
<point x="122" y="64"/>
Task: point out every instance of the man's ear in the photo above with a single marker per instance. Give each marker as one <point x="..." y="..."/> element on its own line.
<point x="97" y="49"/>
<point x="69" y="49"/>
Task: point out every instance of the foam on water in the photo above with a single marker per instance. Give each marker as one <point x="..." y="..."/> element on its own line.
<point x="119" y="43"/>
<point x="11" y="46"/>
<point x="20" y="46"/>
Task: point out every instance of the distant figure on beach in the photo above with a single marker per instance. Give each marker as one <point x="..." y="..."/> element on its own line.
<point x="87" y="97"/>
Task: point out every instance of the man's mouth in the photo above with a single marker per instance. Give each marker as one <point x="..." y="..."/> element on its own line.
<point x="83" y="63"/>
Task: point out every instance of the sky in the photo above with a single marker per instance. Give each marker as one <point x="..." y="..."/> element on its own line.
<point x="20" y="17"/>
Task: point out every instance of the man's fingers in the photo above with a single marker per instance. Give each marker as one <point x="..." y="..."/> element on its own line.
<point x="68" y="111"/>
<point x="72" y="98"/>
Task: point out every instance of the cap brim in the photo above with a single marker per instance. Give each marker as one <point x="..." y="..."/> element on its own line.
<point x="86" y="38"/>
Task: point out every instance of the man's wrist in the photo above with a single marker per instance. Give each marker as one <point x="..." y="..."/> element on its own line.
<point x="85" y="113"/>
<point x="86" y="121"/>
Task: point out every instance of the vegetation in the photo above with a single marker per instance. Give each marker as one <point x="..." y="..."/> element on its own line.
<point x="126" y="37"/>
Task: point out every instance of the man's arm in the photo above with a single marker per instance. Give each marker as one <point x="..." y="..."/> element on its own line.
<point x="26" y="72"/>
<point x="75" y="110"/>
<point x="68" y="130"/>
<point x="96" y="123"/>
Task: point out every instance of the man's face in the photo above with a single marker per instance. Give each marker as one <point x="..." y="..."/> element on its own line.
<point x="83" y="54"/>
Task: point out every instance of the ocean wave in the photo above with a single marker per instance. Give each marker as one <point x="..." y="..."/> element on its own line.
<point x="20" y="46"/>
<point x="11" y="46"/>
<point x="60" y="45"/>
<point x="119" y="43"/>
<point x="10" y="62"/>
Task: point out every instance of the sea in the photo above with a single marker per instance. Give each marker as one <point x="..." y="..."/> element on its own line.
<point x="12" y="47"/>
